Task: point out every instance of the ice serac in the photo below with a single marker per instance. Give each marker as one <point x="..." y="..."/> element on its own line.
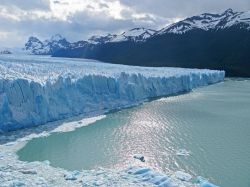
<point x="37" y="90"/>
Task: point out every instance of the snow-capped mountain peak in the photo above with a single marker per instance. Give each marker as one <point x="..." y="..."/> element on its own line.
<point x="139" y="34"/>
<point x="136" y="34"/>
<point x="208" y="21"/>
<point x="55" y="40"/>
<point x="229" y="12"/>
<point x="56" y="37"/>
<point x="140" y="31"/>
<point x="101" y="39"/>
<point x="35" y="46"/>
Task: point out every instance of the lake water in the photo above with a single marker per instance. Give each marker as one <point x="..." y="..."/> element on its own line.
<point x="213" y="123"/>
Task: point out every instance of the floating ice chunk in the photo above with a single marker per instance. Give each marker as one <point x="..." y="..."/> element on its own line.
<point x="14" y="183"/>
<point x="71" y="126"/>
<point x="204" y="182"/>
<point x="10" y="144"/>
<point x="30" y="172"/>
<point x="139" y="157"/>
<point x="183" y="176"/>
<point x="148" y="175"/>
<point x="182" y="152"/>
<point x="207" y="184"/>
<point x="72" y="175"/>
<point x="167" y="183"/>
<point x="142" y="171"/>
<point x="138" y="170"/>
<point x="46" y="162"/>
<point x="158" y="179"/>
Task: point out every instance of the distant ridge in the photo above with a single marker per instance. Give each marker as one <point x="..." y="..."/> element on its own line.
<point x="215" y="41"/>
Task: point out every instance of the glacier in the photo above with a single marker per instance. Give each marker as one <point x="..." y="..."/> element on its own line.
<point x="35" y="90"/>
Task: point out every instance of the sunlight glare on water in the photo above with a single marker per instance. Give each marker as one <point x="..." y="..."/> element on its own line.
<point x="212" y="123"/>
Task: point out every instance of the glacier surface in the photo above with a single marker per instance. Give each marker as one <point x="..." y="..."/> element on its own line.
<point x="35" y="90"/>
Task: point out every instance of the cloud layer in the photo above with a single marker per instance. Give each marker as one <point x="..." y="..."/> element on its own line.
<point x="77" y="19"/>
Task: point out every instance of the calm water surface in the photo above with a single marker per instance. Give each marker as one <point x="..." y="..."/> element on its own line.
<point x="213" y="123"/>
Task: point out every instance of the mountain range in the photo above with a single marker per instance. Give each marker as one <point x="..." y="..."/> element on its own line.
<point x="214" y="41"/>
<point x="57" y="42"/>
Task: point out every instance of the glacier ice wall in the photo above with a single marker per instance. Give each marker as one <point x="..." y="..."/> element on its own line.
<point x="25" y="102"/>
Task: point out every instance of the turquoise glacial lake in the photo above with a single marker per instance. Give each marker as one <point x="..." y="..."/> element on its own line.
<point x="212" y="123"/>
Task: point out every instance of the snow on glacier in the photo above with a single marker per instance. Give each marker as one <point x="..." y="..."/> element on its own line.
<point x="35" y="90"/>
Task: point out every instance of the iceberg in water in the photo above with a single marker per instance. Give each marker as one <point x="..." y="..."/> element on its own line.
<point x="182" y="152"/>
<point x="183" y="176"/>
<point x="35" y="90"/>
<point x="139" y="157"/>
<point x="204" y="182"/>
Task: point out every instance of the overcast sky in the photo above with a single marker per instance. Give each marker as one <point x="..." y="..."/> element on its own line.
<point x="80" y="19"/>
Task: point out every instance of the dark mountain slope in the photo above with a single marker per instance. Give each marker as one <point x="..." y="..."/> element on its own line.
<point x="227" y="49"/>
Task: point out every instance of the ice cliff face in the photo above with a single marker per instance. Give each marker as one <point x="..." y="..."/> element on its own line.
<point x="37" y="90"/>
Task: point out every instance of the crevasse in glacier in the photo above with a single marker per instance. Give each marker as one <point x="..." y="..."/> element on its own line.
<point x="35" y="90"/>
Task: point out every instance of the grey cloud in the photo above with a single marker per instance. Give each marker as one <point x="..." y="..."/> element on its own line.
<point x="81" y="25"/>
<point x="103" y="5"/>
<point x="60" y="2"/>
<point x="90" y="7"/>
<point x="185" y="8"/>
